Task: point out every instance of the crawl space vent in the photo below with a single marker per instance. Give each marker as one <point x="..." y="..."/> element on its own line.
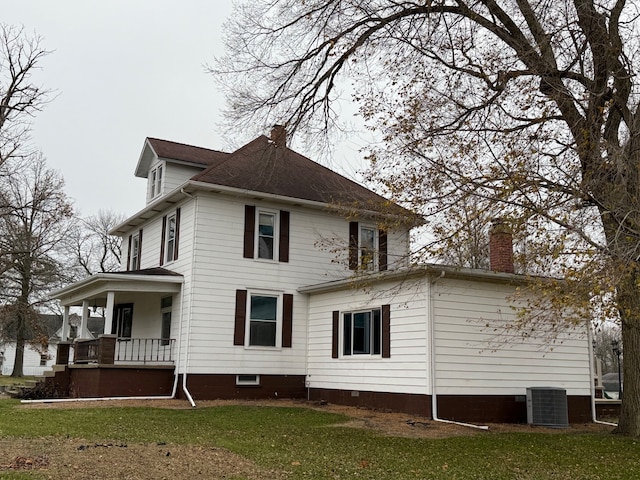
<point x="547" y="407"/>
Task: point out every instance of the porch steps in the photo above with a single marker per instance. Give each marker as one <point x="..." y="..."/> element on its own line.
<point x="52" y="372"/>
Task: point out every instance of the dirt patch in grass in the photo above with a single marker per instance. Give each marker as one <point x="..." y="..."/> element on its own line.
<point x="77" y="459"/>
<point x="74" y="458"/>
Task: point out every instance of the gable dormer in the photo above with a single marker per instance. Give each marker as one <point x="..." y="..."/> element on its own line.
<point x="167" y="165"/>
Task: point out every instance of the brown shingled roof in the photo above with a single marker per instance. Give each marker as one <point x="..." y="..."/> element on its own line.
<point x="262" y="166"/>
<point x="187" y="153"/>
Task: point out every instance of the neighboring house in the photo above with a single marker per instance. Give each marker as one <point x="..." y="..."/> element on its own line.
<point x="260" y="273"/>
<point x="39" y="358"/>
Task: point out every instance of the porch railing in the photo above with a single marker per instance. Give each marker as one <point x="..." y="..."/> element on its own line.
<point x="86" y="351"/>
<point x="144" y="350"/>
<point x="108" y="349"/>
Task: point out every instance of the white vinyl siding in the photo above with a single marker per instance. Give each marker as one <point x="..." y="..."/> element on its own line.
<point x="175" y="175"/>
<point x="476" y="355"/>
<point x="404" y="372"/>
<point x="221" y="269"/>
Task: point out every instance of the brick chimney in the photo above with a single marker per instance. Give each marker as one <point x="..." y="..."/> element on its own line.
<point x="501" y="247"/>
<point x="279" y="135"/>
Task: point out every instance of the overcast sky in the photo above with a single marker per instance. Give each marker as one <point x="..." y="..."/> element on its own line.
<point x="123" y="71"/>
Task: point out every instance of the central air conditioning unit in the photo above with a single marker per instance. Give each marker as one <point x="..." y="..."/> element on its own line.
<point x="547" y="407"/>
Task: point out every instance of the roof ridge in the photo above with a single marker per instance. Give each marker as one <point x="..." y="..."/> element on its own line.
<point x="186" y="145"/>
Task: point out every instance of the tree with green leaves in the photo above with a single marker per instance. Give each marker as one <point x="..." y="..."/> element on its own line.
<point x="528" y="106"/>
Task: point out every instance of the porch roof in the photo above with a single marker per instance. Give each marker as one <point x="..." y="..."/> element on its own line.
<point x="95" y="287"/>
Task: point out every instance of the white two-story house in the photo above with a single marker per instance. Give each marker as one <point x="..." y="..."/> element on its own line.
<point x="260" y="273"/>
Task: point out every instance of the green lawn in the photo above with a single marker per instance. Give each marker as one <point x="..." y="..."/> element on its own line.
<point x="309" y="445"/>
<point x="8" y="380"/>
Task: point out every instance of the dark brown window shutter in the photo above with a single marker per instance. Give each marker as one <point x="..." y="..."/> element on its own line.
<point x="382" y="250"/>
<point x="176" y="241"/>
<point x="283" y="254"/>
<point x="241" y="316"/>
<point x="129" y="253"/>
<point x="137" y="267"/>
<point x="287" y="319"/>
<point x="334" y="334"/>
<point x="353" y="245"/>
<point x="386" y="331"/>
<point x="249" y="230"/>
<point x="162" y="239"/>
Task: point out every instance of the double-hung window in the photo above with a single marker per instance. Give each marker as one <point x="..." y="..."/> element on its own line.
<point x="362" y="332"/>
<point x="135" y="251"/>
<point x="170" y="237"/>
<point x="263" y="319"/>
<point x="367" y="247"/>
<point x="266" y="234"/>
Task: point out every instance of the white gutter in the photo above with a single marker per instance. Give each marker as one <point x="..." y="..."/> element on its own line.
<point x="592" y="378"/>
<point x="156" y="206"/>
<point x="432" y="358"/>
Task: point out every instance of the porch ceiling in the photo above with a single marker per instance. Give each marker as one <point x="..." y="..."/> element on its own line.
<point x="97" y="286"/>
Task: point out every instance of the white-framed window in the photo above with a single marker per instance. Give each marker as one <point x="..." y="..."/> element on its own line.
<point x="155" y="181"/>
<point x="170" y="246"/>
<point x="266" y="234"/>
<point x="166" y="304"/>
<point x="264" y="320"/>
<point x="247" y="380"/>
<point x="368" y="247"/>
<point x="362" y="332"/>
<point x="135" y="251"/>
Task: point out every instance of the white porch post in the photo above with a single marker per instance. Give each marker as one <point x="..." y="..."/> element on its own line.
<point x="108" y="314"/>
<point x="65" y="324"/>
<point x="83" y="322"/>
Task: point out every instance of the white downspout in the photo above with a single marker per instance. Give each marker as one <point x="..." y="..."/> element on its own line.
<point x="432" y="359"/>
<point x="592" y="378"/>
<point x="188" y="326"/>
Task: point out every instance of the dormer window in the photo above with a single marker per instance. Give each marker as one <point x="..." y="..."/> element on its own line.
<point x="155" y="181"/>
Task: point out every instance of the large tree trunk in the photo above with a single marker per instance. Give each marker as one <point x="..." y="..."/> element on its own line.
<point x="18" y="364"/>
<point x="628" y="293"/>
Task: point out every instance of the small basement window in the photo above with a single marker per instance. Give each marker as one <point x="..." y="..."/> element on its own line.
<point x="247" y="379"/>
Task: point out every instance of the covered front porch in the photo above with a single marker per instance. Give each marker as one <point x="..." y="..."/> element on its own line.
<point x="136" y="352"/>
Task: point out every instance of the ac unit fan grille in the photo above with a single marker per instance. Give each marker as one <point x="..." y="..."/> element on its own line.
<point x="547" y="406"/>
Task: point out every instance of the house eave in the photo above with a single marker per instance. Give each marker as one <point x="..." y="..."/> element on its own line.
<point x="190" y="187"/>
<point x="431" y="270"/>
<point x="97" y="285"/>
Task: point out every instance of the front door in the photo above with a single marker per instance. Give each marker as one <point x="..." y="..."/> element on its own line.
<point x="123" y="316"/>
